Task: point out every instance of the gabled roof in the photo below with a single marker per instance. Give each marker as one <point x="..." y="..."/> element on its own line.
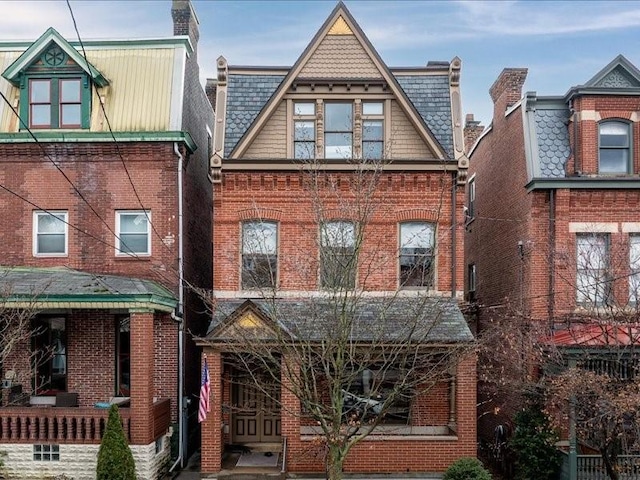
<point x="40" y="46"/>
<point x="340" y="20"/>
<point x="620" y="76"/>
<point x="436" y="320"/>
<point x="50" y="288"/>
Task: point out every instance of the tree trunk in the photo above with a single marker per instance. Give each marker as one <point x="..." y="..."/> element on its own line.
<point x="610" y="459"/>
<point x="335" y="461"/>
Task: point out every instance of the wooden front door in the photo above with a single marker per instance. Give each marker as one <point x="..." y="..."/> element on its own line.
<point x="256" y="416"/>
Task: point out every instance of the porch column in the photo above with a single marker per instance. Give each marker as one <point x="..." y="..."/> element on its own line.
<point x="573" y="450"/>
<point x="142" y="387"/>
<point x="211" y="428"/>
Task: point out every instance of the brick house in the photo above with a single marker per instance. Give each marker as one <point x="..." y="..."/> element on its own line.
<point x="552" y="230"/>
<point x="104" y="175"/>
<point x="293" y="146"/>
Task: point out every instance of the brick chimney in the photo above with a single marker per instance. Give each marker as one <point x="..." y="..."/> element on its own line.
<point x="185" y="21"/>
<point x="507" y="89"/>
<point x="472" y="130"/>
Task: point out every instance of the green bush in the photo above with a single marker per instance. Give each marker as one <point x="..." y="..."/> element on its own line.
<point x="467" y="469"/>
<point x="115" y="461"/>
<point x="533" y="444"/>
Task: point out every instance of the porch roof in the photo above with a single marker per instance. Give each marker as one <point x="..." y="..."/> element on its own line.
<point x="61" y="287"/>
<point x="436" y="320"/>
<point x="597" y="335"/>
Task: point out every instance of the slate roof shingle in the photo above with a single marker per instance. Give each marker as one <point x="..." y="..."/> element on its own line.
<point x="553" y="141"/>
<point x="438" y="319"/>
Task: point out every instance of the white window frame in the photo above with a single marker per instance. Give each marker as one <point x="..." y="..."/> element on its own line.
<point x="44" y="452"/>
<point x="119" y="251"/>
<point x="407" y="241"/>
<point x="593" y="282"/>
<point x="63" y="215"/>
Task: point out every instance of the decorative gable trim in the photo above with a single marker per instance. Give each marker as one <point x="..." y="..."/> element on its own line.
<point x="619" y="77"/>
<point x="248" y="321"/>
<point x="37" y="48"/>
<point x="334" y="24"/>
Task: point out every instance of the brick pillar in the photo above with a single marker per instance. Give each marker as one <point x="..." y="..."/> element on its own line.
<point x="142" y="359"/>
<point x="466" y="405"/>
<point x="290" y="414"/>
<point x="211" y="428"/>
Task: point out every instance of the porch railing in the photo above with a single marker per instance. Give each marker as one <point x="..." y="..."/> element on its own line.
<point x="71" y="425"/>
<point x="591" y="467"/>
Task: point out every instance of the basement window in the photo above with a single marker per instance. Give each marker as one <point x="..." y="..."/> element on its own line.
<point x="46" y="453"/>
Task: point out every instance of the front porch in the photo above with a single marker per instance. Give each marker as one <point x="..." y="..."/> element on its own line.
<point x="60" y="425"/>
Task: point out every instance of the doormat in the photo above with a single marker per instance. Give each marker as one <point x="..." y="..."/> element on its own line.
<point x="258" y="459"/>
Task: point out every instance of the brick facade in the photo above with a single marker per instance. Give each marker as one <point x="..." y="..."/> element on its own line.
<point x="538" y="185"/>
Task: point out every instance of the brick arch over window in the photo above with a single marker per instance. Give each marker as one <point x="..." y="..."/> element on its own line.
<point x="615" y="140"/>
<point x="259" y="213"/>
<point x="417" y="214"/>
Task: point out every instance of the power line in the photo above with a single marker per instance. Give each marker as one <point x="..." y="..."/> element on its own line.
<point x="115" y="142"/>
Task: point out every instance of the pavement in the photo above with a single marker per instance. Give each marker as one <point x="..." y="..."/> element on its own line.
<point x="191" y="471"/>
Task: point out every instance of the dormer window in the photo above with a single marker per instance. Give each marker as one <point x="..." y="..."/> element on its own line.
<point x="55" y="103"/>
<point x="615" y="145"/>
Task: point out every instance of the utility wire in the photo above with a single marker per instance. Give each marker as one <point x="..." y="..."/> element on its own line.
<point x="115" y="142"/>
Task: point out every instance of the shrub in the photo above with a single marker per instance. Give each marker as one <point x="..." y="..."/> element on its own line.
<point x="115" y="461"/>
<point x="467" y="469"/>
<point x="533" y="444"/>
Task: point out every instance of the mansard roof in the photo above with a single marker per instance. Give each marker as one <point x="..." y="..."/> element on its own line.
<point x="546" y="127"/>
<point x="424" y="93"/>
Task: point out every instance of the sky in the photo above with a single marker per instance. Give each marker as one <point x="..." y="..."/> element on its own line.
<point x="561" y="43"/>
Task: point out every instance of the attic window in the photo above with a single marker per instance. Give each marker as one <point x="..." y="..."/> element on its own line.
<point x="56" y="102"/>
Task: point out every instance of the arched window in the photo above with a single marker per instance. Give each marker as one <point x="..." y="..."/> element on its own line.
<point x="615" y="146"/>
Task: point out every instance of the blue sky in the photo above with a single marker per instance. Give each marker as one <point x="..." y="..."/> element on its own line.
<point x="561" y="43"/>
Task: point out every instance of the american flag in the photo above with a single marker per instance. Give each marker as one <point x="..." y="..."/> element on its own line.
<point x="205" y="387"/>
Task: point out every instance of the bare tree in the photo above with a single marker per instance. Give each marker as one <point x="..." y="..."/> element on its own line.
<point x="353" y="354"/>
<point x="16" y="332"/>
<point x="586" y="365"/>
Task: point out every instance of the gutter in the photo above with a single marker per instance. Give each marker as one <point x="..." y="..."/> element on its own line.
<point x="179" y="317"/>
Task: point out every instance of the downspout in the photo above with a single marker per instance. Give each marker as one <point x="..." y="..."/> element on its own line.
<point x="454" y="227"/>
<point x="179" y="316"/>
<point x="552" y="256"/>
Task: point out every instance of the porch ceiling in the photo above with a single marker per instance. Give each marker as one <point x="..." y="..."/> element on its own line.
<point x="433" y="320"/>
<point x="44" y="288"/>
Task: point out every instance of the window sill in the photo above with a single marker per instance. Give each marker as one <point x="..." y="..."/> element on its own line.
<point x="131" y="258"/>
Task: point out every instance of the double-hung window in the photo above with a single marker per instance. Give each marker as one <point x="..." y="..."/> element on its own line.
<point x="338" y="130"/>
<point x="259" y="254"/>
<point x="615" y="147"/>
<point x="338" y="263"/>
<point x="634" y="267"/>
<point x="304" y="130"/>
<point x="55" y="102"/>
<point x="50" y="233"/>
<point x="372" y="130"/>
<point x="471" y="207"/>
<point x="133" y="232"/>
<point x="592" y="282"/>
<point x="417" y="245"/>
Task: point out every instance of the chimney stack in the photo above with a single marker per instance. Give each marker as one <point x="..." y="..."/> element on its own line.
<point x="185" y="21"/>
<point x="507" y="88"/>
<point x="472" y="131"/>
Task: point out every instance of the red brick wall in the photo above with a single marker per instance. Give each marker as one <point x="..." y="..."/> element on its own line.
<point x="395" y="454"/>
<point x="97" y="172"/>
<point x="281" y="197"/>
<point x="502" y="211"/>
